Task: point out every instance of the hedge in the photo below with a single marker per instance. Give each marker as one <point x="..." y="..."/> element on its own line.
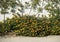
<point x="31" y="26"/>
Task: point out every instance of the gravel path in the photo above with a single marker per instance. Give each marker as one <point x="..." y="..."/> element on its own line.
<point x="31" y="39"/>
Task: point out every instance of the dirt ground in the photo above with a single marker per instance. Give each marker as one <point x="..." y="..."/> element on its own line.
<point x="30" y="39"/>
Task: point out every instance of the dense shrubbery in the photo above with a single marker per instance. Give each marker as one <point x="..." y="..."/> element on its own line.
<point x="32" y="26"/>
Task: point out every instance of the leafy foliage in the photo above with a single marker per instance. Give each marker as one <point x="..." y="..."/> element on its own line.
<point x="32" y="26"/>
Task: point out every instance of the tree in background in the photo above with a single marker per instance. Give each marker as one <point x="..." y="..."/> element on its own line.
<point x="5" y="5"/>
<point x="53" y="7"/>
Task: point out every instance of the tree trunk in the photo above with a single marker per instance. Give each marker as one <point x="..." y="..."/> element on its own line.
<point x="4" y="22"/>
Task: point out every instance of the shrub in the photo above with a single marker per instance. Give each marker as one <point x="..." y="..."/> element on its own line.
<point x="32" y="26"/>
